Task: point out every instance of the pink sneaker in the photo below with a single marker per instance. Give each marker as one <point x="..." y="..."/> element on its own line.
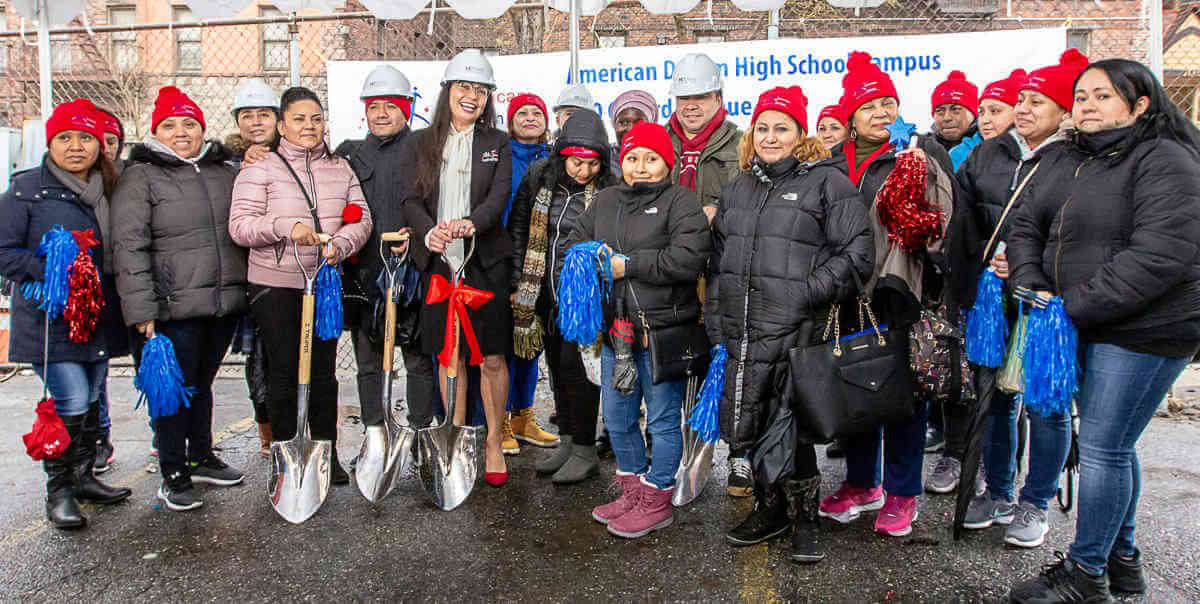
<point x="630" y="492"/>
<point x="652" y="512"/>
<point x="850" y="501"/>
<point x="897" y="516"/>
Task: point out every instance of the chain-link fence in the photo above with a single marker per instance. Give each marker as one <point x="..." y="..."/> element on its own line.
<point x="128" y="49"/>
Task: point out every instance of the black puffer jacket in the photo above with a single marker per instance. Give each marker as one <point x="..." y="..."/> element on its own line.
<point x="991" y="175"/>
<point x="953" y="269"/>
<point x="660" y="227"/>
<point x="1116" y="232"/>
<point x="787" y="238"/>
<point x="174" y="257"/>
<point x="567" y="202"/>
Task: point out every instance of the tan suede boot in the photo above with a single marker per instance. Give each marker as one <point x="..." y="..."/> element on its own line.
<point x="508" y="444"/>
<point x="525" y="428"/>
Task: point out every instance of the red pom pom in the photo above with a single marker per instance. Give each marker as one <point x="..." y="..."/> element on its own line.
<point x="904" y="210"/>
<point x="957" y="75"/>
<point x="352" y="213"/>
<point x="858" y="60"/>
<point x="84" y="300"/>
<point x="49" y="437"/>
<point x="1072" y="56"/>
<point x="1018" y="74"/>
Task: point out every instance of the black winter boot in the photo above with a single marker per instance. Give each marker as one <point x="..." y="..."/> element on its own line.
<point x="61" y="508"/>
<point x="87" y="486"/>
<point x="767" y="520"/>
<point x="804" y="497"/>
<point x="337" y="475"/>
<point x="1125" y="576"/>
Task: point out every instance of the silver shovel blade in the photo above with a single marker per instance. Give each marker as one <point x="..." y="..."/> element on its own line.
<point x="383" y="460"/>
<point x="299" y="479"/>
<point x="693" y="474"/>
<point x="449" y="463"/>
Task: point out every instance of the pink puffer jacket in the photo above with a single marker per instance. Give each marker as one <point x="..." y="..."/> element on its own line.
<point x="267" y="203"/>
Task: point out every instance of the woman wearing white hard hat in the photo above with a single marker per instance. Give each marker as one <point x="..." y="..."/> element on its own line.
<point x="462" y="173"/>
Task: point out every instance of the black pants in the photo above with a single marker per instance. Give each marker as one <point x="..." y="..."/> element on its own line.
<point x="277" y="311"/>
<point x="576" y="400"/>
<point x="257" y="378"/>
<point x="199" y="344"/>
<point x="955" y="420"/>
<point x="420" y="380"/>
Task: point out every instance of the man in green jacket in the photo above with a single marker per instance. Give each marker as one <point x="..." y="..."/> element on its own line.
<point x="706" y="144"/>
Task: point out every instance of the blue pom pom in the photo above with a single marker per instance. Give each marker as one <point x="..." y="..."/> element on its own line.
<point x="59" y="249"/>
<point x="987" y="328"/>
<point x="585" y="282"/>
<point x="160" y="379"/>
<point x="704" y="419"/>
<point x="1050" y="361"/>
<point x="328" y="306"/>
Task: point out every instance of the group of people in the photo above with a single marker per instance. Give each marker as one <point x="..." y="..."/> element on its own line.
<point x="1084" y="171"/>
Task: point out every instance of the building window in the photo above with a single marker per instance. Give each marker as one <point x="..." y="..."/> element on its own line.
<point x="709" y="37"/>
<point x="123" y="45"/>
<point x="189" y="52"/>
<point x="276" y="45"/>
<point x="611" y="40"/>
<point x="1078" y="39"/>
<point x="60" y="52"/>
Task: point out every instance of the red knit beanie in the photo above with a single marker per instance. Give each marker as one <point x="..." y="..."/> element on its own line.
<point x="651" y="136"/>
<point x="790" y="100"/>
<point x="522" y="100"/>
<point x="864" y="82"/>
<point x="1058" y="81"/>
<point x="956" y="90"/>
<point x="79" y="114"/>
<point x="172" y="102"/>
<point x="833" y="111"/>
<point x="404" y="103"/>
<point x="1005" y="90"/>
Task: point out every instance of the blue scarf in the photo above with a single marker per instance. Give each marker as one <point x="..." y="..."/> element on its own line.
<point x="960" y="151"/>
<point x="523" y="156"/>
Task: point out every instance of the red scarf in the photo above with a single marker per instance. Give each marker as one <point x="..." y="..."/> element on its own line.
<point x="690" y="149"/>
<point x="857" y="172"/>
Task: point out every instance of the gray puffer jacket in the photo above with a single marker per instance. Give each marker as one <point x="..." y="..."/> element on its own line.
<point x="174" y="257"/>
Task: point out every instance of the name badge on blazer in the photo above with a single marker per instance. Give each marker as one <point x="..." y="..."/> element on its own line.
<point x="490" y="156"/>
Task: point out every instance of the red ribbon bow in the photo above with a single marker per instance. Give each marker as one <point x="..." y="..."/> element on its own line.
<point x="460" y="297"/>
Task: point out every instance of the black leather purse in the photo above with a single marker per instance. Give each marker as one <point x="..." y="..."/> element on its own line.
<point x="677" y="352"/>
<point x="850" y="385"/>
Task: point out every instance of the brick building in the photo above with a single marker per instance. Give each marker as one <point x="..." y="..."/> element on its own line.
<point x="123" y="69"/>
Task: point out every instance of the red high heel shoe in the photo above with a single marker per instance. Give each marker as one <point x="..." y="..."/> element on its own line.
<point x="495" y="479"/>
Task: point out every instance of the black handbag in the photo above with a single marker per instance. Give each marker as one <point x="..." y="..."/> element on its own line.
<point x="851" y="384"/>
<point x="677" y="352"/>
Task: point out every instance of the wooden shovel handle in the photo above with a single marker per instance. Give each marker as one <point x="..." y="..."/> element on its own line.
<point x="397" y="236"/>
<point x="389" y="334"/>
<point x="306" y="339"/>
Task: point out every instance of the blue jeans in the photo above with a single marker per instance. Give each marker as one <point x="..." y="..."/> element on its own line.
<point x="522" y="382"/>
<point x="74" y="386"/>
<point x="105" y="420"/>
<point x="1118" y="395"/>
<point x="903" y="450"/>
<point x="664" y="414"/>
<point x="1049" y="443"/>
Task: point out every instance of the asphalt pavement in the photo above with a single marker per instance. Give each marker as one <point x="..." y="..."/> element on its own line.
<point x="527" y="541"/>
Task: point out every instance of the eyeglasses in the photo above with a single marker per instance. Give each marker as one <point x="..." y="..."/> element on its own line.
<point x="471" y="88"/>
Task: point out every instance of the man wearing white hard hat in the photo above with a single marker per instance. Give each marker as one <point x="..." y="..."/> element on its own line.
<point x="706" y="151"/>
<point x="570" y="100"/>
<point x="387" y="98"/>
<point x="706" y="144"/>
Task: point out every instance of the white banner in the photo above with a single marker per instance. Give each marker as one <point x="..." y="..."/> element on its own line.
<point x="915" y="63"/>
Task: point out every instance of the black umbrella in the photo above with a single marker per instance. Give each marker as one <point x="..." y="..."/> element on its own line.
<point x="775" y="450"/>
<point x="977" y="430"/>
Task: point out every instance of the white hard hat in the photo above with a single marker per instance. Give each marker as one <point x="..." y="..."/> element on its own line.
<point x="469" y="66"/>
<point x="696" y="74"/>
<point x="575" y="96"/>
<point x="386" y="80"/>
<point x="254" y="92"/>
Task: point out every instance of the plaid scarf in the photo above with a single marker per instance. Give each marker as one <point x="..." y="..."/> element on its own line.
<point x="527" y="327"/>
